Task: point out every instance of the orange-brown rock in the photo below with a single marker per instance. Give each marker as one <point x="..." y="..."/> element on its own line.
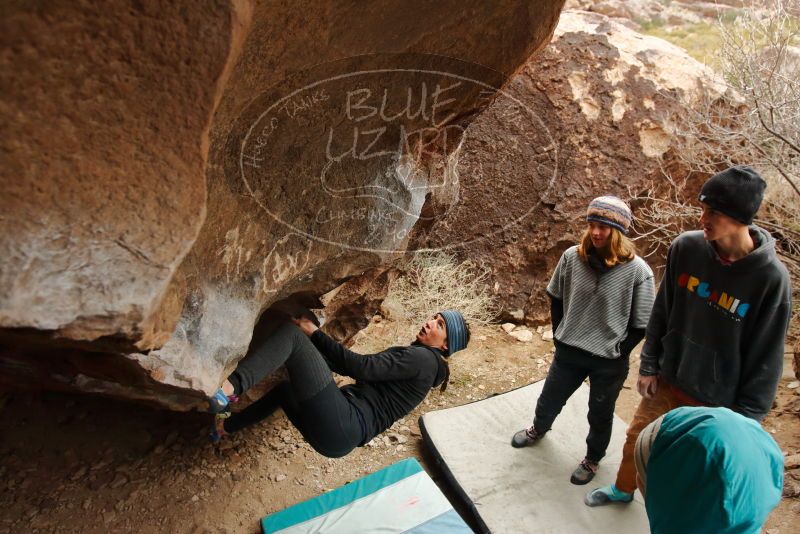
<point x="169" y="172"/>
<point x="352" y="305"/>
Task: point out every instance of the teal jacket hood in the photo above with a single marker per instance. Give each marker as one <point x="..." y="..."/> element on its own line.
<point x="711" y="470"/>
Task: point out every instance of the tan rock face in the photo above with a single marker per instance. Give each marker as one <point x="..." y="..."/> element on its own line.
<point x="170" y="172"/>
<point x="105" y="120"/>
<point x="588" y="116"/>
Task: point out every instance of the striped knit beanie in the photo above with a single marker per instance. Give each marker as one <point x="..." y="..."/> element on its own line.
<point x="456" y="330"/>
<point x="611" y="211"/>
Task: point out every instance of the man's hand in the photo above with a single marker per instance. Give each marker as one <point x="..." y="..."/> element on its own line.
<point x="647" y="386"/>
<point x="305" y="325"/>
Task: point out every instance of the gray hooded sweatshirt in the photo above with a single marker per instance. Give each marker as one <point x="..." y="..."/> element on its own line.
<point x="717" y="331"/>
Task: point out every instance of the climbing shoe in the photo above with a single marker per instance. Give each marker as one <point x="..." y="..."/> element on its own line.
<point x="525" y="437"/>
<point x="607" y="495"/>
<point x="584" y="473"/>
<point x="219" y="402"/>
<point x="218" y="427"/>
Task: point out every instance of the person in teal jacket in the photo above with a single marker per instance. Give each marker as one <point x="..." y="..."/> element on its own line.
<point x="704" y="470"/>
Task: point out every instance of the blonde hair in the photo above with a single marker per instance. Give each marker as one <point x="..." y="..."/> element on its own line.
<point x="620" y="249"/>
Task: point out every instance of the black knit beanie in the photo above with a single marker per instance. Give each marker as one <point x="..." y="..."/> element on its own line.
<point x="737" y="192"/>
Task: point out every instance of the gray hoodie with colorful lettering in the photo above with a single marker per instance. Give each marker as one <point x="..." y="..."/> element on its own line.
<point x="717" y="331"/>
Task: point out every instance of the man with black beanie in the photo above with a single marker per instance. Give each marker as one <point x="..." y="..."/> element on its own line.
<point x="718" y="325"/>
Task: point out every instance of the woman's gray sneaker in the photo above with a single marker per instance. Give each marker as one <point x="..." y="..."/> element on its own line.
<point x="526" y="437"/>
<point x="584" y="473"/>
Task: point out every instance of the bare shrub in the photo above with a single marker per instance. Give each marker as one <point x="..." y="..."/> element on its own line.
<point x="435" y="281"/>
<point x="662" y="213"/>
<point x="755" y="123"/>
<point x="759" y="60"/>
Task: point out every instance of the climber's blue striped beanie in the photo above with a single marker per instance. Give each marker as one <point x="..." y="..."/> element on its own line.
<point x="456" y="330"/>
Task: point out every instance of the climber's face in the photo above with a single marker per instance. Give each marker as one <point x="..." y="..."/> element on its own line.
<point x="434" y="333"/>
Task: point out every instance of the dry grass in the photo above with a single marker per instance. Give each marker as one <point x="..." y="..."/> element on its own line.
<point x="435" y="281"/>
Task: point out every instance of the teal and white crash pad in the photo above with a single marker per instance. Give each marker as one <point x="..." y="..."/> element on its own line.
<point x="398" y="498"/>
<point x="527" y="490"/>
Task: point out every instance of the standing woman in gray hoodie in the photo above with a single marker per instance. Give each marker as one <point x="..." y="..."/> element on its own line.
<point x="600" y="296"/>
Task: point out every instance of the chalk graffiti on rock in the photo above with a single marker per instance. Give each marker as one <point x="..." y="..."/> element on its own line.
<point x="360" y="150"/>
<point x="288" y="257"/>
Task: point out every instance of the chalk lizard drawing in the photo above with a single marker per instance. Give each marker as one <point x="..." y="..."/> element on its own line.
<point x="278" y="266"/>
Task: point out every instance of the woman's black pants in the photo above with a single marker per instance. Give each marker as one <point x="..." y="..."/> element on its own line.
<point x="570" y="367"/>
<point x="310" y="399"/>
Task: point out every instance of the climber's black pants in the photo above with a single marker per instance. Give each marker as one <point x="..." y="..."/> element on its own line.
<point x="310" y="399"/>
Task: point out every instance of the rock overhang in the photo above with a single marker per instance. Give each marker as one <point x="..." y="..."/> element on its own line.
<point x="149" y="232"/>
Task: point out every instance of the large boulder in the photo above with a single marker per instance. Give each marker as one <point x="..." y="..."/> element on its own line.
<point x="591" y="115"/>
<point x="170" y="172"/>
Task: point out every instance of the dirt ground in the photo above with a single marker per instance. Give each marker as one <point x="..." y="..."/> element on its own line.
<point x="86" y="464"/>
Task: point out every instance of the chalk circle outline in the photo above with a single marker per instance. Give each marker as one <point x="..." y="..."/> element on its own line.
<point x="449" y="246"/>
